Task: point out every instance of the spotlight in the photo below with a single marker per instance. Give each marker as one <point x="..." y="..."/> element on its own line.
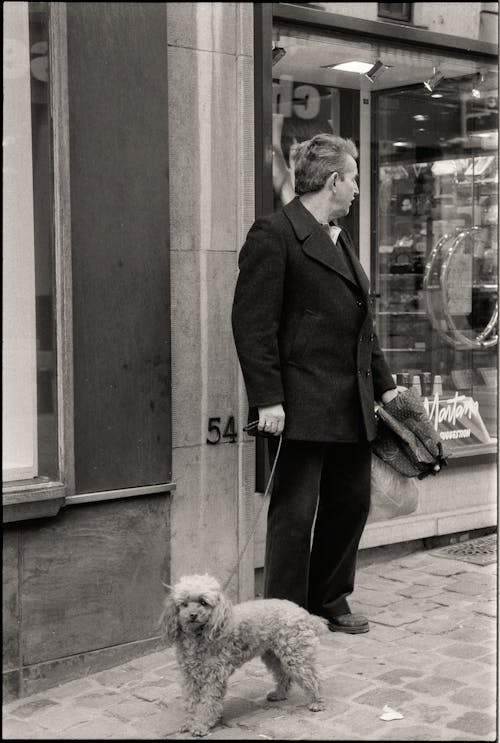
<point x="375" y="71"/>
<point x="476" y="90"/>
<point x="278" y="53"/>
<point x="434" y="81"/>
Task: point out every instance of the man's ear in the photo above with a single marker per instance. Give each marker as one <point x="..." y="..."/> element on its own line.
<point x="332" y="179"/>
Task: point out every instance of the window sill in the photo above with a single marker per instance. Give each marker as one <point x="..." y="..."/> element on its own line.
<point x="32" y="499"/>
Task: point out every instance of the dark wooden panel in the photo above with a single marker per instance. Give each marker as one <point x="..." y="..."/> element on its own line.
<point x="92" y="578"/>
<point x="117" y="57"/>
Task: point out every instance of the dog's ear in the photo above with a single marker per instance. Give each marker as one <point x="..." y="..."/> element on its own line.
<point x="219" y="618"/>
<point x="168" y="621"/>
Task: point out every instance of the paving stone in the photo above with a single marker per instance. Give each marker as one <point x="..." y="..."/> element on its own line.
<point x="469" y="634"/>
<point x="131" y="708"/>
<point x="64" y="716"/>
<point x="20" y="729"/>
<point x="478" y="723"/>
<point x="486" y="607"/>
<point x="410" y="732"/>
<point x="363" y="667"/>
<point x="71" y="688"/>
<point x="435" y="685"/>
<point x="422" y="643"/>
<point x="149" y="692"/>
<point x="362" y="720"/>
<point x="287" y="727"/>
<point x="490" y="659"/>
<point x="379" y="697"/>
<point x="383" y="634"/>
<point x="97" y="700"/>
<point x="417" y="591"/>
<point x="471" y="584"/>
<point x="399" y="675"/>
<point x="28" y="709"/>
<point x="457" y="668"/>
<point x="428" y="712"/>
<point x="342" y="686"/>
<point x="461" y="650"/>
<point x="397" y="618"/>
<point x="113" y="678"/>
<point x="488" y="680"/>
<point x="474" y="696"/>
<point x="434" y="625"/>
<point x="373" y="598"/>
<point x="102" y="728"/>
<point x="446" y="568"/>
<point x="161" y="724"/>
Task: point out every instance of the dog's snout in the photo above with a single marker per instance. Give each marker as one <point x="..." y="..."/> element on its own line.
<point x="193" y="614"/>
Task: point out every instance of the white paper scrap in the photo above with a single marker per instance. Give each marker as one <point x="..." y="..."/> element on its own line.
<point x="390" y="714"/>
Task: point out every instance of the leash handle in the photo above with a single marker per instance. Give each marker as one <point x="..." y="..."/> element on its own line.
<point x="256" y="520"/>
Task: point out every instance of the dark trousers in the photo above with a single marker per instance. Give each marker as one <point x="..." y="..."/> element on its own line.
<point x="334" y="480"/>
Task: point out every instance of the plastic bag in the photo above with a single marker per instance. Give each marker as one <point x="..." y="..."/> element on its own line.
<point x="392" y="494"/>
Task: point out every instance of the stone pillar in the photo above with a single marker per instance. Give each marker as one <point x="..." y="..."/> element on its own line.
<point x="211" y="140"/>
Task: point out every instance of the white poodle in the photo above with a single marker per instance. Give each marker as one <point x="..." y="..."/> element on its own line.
<point x="214" y="638"/>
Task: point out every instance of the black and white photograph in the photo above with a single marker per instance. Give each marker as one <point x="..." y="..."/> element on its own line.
<point x="250" y="371"/>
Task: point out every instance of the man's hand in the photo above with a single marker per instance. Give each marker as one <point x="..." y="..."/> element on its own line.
<point x="272" y="419"/>
<point x="389" y="395"/>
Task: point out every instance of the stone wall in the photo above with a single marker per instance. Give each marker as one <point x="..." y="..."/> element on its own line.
<point x="211" y="135"/>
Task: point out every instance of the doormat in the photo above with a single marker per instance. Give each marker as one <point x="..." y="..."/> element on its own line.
<point x="481" y="551"/>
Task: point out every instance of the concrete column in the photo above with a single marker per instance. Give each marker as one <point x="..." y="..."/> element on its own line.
<point x="211" y="134"/>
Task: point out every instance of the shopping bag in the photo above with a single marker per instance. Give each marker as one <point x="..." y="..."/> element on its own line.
<point x="392" y="494"/>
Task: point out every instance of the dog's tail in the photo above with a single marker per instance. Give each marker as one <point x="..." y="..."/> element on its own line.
<point x="319" y="624"/>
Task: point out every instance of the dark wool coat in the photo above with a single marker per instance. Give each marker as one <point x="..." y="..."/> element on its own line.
<point x="304" y="331"/>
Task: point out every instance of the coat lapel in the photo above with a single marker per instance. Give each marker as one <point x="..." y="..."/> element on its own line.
<point x="357" y="267"/>
<point x="315" y="241"/>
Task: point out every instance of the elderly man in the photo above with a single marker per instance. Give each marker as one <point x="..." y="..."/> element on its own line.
<point x="313" y="369"/>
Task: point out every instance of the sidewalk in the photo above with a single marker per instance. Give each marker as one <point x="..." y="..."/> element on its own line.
<point x="430" y="655"/>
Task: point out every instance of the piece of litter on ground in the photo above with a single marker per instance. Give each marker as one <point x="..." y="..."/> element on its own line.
<point x="390" y="714"/>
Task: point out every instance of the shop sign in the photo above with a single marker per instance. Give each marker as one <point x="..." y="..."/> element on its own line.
<point x="296" y="99"/>
<point x="457" y="417"/>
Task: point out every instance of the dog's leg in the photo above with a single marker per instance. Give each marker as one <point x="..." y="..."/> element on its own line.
<point x="283" y="680"/>
<point x="305" y="674"/>
<point x="191" y="698"/>
<point x="209" y="708"/>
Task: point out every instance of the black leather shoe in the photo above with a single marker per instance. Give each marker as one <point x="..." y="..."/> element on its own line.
<point x="353" y="624"/>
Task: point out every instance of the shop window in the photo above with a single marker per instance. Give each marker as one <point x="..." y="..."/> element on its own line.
<point x="426" y="126"/>
<point x="29" y="351"/>
<point x="396" y="11"/>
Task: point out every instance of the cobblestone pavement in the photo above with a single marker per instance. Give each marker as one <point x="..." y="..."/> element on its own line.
<point x="430" y="655"/>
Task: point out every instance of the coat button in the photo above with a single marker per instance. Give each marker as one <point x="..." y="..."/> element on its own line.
<point x="359" y="371"/>
<point x="372" y="337"/>
<point x="360" y="338"/>
<point x="359" y="303"/>
<point x="368" y="373"/>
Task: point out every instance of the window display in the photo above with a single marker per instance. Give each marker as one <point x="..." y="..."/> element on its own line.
<point x="426" y="126"/>
<point x="436" y="256"/>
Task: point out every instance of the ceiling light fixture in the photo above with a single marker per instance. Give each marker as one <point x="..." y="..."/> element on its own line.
<point x="434" y="80"/>
<point x="360" y="67"/>
<point x="378" y="68"/>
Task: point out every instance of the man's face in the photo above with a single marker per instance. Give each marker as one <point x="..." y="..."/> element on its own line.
<point x="345" y="190"/>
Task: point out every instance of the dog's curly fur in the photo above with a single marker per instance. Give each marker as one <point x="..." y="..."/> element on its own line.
<point x="213" y="638"/>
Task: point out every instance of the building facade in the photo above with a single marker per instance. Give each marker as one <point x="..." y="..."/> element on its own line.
<point x="140" y="142"/>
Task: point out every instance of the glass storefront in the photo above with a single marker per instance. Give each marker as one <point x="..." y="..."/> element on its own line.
<point x="30" y="448"/>
<point x="426" y="126"/>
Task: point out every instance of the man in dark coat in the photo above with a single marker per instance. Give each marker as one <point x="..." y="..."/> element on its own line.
<point x="313" y="369"/>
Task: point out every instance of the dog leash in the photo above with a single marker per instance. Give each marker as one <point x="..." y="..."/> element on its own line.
<point x="256" y="520"/>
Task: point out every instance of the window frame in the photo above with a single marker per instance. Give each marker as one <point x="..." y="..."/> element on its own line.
<point x="44" y="496"/>
<point x="405" y="15"/>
